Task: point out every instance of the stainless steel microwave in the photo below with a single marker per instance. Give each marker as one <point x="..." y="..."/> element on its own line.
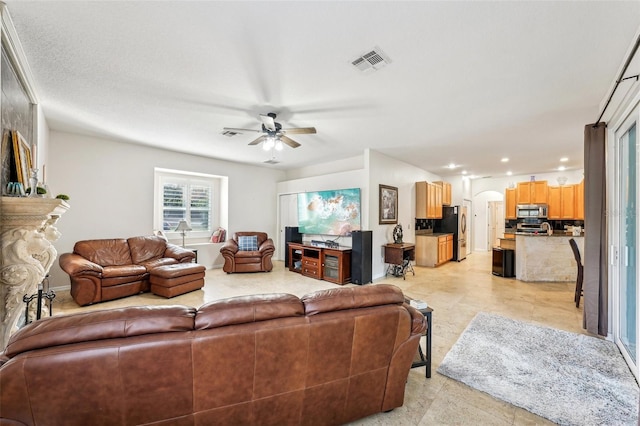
<point x="528" y="211"/>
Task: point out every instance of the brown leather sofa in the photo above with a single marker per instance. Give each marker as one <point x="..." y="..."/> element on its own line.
<point x="238" y="260"/>
<point x="112" y="268"/>
<point x="331" y="357"/>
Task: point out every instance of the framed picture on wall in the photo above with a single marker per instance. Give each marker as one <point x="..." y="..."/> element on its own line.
<point x="22" y="158"/>
<point x="388" y="204"/>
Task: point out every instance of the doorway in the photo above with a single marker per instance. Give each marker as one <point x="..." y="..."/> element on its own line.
<point x="495" y="224"/>
<point x="625" y="241"/>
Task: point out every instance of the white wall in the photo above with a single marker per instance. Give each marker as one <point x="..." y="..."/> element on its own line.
<point x="111" y="188"/>
<point x="386" y="170"/>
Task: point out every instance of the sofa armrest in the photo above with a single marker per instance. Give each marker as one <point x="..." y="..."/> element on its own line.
<point x="418" y="321"/>
<point x="74" y="265"/>
<point x="179" y="253"/>
<point x="230" y="247"/>
<point x="266" y="246"/>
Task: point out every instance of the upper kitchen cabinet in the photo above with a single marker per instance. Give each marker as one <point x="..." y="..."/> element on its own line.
<point x="446" y="192"/>
<point x="535" y="192"/>
<point x="579" y="200"/>
<point x="566" y="202"/>
<point x="428" y="201"/>
<point x="510" y="203"/>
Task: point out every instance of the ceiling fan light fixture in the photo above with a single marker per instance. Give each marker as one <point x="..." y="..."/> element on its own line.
<point x="279" y="145"/>
<point x="268" y="144"/>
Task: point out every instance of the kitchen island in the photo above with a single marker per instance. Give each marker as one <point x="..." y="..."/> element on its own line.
<point x="546" y="257"/>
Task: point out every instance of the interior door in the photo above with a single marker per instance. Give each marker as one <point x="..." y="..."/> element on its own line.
<point x="288" y="217"/>
<point x="626" y="276"/>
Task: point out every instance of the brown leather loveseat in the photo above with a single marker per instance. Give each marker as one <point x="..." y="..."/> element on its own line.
<point x="112" y="268"/>
<point x="240" y="258"/>
<point x="331" y="357"/>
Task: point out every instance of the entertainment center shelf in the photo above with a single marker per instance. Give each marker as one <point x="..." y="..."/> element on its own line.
<point x="322" y="263"/>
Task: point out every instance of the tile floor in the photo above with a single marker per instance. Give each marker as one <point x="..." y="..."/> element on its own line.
<point x="456" y="292"/>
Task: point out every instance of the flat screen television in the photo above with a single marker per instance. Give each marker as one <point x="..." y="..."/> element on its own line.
<point x="335" y="212"/>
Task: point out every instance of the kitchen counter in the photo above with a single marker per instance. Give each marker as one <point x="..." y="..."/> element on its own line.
<point x="555" y="234"/>
<point x="546" y="257"/>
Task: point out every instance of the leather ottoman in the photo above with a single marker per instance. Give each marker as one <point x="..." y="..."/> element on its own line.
<point x="174" y="280"/>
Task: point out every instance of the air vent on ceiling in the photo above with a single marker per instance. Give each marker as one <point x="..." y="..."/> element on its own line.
<point x="271" y="161"/>
<point x="231" y="133"/>
<point x="371" y="61"/>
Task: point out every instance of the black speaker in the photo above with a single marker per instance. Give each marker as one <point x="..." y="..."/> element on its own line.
<point x="291" y="235"/>
<point x="361" y="257"/>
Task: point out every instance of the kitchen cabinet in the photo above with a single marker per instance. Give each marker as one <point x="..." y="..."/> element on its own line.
<point x="428" y="201"/>
<point x="579" y="201"/>
<point x="535" y="192"/>
<point x="434" y="250"/>
<point x="568" y="201"/>
<point x="510" y="203"/>
<point x="555" y="203"/>
<point x="562" y="202"/>
<point x="446" y="192"/>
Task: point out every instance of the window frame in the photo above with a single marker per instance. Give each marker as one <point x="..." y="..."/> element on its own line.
<point x="190" y="178"/>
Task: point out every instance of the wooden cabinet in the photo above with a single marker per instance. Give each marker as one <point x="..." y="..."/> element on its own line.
<point x="555" y="203"/>
<point x="434" y="250"/>
<point x="535" y="192"/>
<point x="563" y="202"/>
<point x="336" y="266"/>
<point x="428" y="201"/>
<point x="568" y="201"/>
<point x="446" y="192"/>
<point x="421" y="200"/>
<point x="322" y="263"/>
<point x="579" y="200"/>
<point x="448" y="255"/>
<point x="510" y="203"/>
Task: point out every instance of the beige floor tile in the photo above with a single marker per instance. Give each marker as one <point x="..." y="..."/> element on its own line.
<point x="456" y="291"/>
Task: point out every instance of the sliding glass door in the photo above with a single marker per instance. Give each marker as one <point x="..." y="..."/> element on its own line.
<point x="625" y="242"/>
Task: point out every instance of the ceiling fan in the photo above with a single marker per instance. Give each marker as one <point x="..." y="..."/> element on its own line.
<point x="273" y="135"/>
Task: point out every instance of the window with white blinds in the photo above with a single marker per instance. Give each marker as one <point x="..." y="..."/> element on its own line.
<point x="187" y="196"/>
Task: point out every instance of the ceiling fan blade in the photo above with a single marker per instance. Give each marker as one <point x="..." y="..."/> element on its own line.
<point x="300" y="131"/>
<point x="289" y="141"/>
<point x="235" y="129"/>
<point x="258" y="140"/>
<point x="268" y="122"/>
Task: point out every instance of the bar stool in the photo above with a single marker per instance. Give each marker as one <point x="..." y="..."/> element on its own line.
<point x="576" y="254"/>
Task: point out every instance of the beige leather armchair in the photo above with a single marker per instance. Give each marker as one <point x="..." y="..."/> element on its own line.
<point x="248" y="252"/>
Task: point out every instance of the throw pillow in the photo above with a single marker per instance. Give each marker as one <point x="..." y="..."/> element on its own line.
<point x="248" y="243"/>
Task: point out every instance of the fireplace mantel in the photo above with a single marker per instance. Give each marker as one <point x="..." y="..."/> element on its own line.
<point x="27" y="232"/>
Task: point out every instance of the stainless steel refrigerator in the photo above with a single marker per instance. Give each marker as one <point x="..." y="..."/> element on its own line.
<point x="454" y="219"/>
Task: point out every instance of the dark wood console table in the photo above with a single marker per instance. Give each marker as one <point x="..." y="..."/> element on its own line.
<point x="322" y="263"/>
<point x="399" y="257"/>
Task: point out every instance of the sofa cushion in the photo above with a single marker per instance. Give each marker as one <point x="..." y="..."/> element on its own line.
<point x="245" y="309"/>
<point x="123" y="271"/>
<point x="337" y="299"/>
<point x="248" y="243"/>
<point x="146" y="248"/>
<point x="99" y="325"/>
<point x="108" y="252"/>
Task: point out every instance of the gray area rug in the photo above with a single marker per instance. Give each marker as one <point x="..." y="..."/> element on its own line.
<point x="568" y="378"/>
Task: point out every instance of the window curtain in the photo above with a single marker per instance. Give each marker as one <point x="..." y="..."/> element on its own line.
<point x="595" y="285"/>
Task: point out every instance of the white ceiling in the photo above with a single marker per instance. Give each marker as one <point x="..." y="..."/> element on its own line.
<point x="469" y="83"/>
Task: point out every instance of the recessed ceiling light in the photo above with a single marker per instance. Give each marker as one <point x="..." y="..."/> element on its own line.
<point x="505" y="160"/>
<point x="509" y="173"/>
<point x="562" y="168"/>
<point x="564" y="159"/>
<point x="452" y="166"/>
<point x="464" y="172"/>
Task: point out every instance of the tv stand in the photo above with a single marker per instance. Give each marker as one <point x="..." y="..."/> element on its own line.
<point x="322" y="263"/>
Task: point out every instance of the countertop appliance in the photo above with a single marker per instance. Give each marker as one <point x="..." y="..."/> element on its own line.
<point x="530" y="211"/>
<point x="454" y="220"/>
